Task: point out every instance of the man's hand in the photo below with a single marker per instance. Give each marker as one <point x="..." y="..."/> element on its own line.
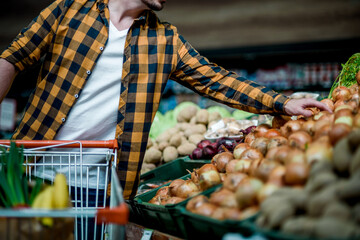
<point x="296" y="107"/>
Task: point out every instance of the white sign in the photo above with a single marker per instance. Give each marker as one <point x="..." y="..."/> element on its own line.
<point x="7" y="114"/>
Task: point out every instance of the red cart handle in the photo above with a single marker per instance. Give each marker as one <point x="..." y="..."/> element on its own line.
<point x="118" y="215"/>
<point x="111" y="144"/>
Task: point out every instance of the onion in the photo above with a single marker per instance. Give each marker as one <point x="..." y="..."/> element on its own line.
<point x="220" y="160"/>
<point x="197" y="154"/>
<point x="263" y="170"/>
<point x="322" y="131"/>
<point x="272" y="133"/>
<point x="357" y="76"/>
<point x="296" y="173"/>
<point x="209" y="151"/>
<point x="230" y="167"/>
<point x="281" y="154"/>
<point x="205" y="209"/>
<point x="279" y="121"/>
<point x="243" y="165"/>
<point x="203" y="143"/>
<point x="277" y="175"/>
<point x="163" y="192"/>
<point x="354" y="89"/>
<point x="299" y="139"/>
<point x="249" y="212"/>
<point x="223" y="198"/>
<point x="219" y="213"/>
<point x="265" y="191"/>
<point x="309" y="127"/>
<point x="341" y="93"/>
<point x="270" y="155"/>
<point x="260" y="143"/>
<point x="249" y="138"/>
<point x="276" y="142"/>
<point x="196" y="202"/>
<point x="187" y="189"/>
<point x="344" y="112"/>
<point x="174" y="185"/>
<point x="318" y="151"/>
<point x="209" y="179"/>
<point x="232" y="180"/>
<point x="261" y="130"/>
<point x="339" y="103"/>
<point x="239" y="149"/>
<point x="324" y="115"/>
<point x="253" y="166"/>
<point x="344" y="106"/>
<point x="205" y="168"/>
<point x="339" y="131"/>
<point x="348" y="120"/>
<point x="356" y="122"/>
<point x="155" y="200"/>
<point x="233" y="213"/>
<point x="329" y="103"/>
<point x="251" y="154"/>
<point x="295" y="155"/>
<point x="290" y="127"/>
<point x="172" y="200"/>
<point x="247" y="191"/>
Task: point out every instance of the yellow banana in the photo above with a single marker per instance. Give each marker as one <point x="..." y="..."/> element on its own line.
<point x="38" y="200"/>
<point x="48" y="203"/>
<point x="61" y="193"/>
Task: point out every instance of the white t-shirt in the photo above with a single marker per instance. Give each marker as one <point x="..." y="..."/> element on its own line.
<point x="94" y="115"/>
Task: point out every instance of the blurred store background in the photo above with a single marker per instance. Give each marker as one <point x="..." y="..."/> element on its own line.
<point x="296" y="45"/>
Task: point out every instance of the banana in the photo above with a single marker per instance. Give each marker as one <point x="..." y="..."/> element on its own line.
<point x="48" y="203"/>
<point x="61" y="193"/>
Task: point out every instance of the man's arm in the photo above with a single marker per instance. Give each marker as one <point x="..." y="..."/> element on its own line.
<point x="7" y="75"/>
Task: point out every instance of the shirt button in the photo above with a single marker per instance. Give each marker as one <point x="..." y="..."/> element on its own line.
<point x="63" y="119"/>
<point x="101" y="48"/>
<point x="76" y="96"/>
<point x="88" y="72"/>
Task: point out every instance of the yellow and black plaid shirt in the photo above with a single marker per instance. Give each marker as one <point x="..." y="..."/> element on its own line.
<point x="70" y="35"/>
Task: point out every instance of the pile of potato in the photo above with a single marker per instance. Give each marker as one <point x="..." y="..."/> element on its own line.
<point x="329" y="204"/>
<point x="181" y="140"/>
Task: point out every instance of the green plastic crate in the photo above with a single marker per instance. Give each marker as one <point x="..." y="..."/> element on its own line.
<point x="195" y="226"/>
<point x="160" y="217"/>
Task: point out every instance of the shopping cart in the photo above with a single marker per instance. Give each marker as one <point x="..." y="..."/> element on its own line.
<point x="86" y="179"/>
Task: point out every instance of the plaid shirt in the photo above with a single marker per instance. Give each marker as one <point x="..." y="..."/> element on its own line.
<point x="70" y="34"/>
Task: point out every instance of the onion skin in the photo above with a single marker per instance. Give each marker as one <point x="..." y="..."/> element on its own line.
<point x="232" y="180"/>
<point x="309" y="127"/>
<point x="247" y="191"/>
<point x="272" y="133"/>
<point x="209" y="179"/>
<point x="249" y="138"/>
<point x="205" y="209"/>
<point x="299" y="139"/>
<point x="277" y="176"/>
<point x="187" y="189"/>
<point x="282" y="153"/>
<point x="341" y="93"/>
<point x="296" y="173"/>
<point x="172" y="200"/>
<point x="329" y="103"/>
<point x="239" y="149"/>
<point x="251" y="154"/>
<point x="276" y="142"/>
<point x="173" y="187"/>
<point x="319" y="151"/>
<point x="296" y="155"/>
<point x="261" y="130"/>
<point x="279" y="121"/>
<point x="206" y="167"/>
<point x="223" y="198"/>
<point x="243" y="166"/>
<point x="220" y="160"/>
<point x="290" y="127"/>
<point x="338" y="131"/>
<point x="163" y="192"/>
<point x="262" y="172"/>
<point x="230" y="167"/>
<point x="260" y="143"/>
<point x="196" y="202"/>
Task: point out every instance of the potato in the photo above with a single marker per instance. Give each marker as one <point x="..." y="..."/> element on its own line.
<point x="195" y="129"/>
<point x="299" y="226"/>
<point x="162" y="145"/>
<point x="356" y="213"/>
<point x="333" y="228"/>
<point x="150" y="143"/>
<point x="186" y="149"/>
<point x="282" y="213"/>
<point x="355" y="162"/>
<point x="319" y="181"/>
<point x="163" y="137"/>
<point x="338" y="209"/>
<point x="152" y="155"/>
<point x="214" y="117"/>
<point x="196" y="138"/>
<point x="202" y="116"/>
<point x="186" y="114"/>
<point x="342" y="156"/>
<point x="354" y="139"/>
<point x="350" y="190"/>
<point x="170" y="153"/>
<point x="175" y="140"/>
<point x="320" y="167"/>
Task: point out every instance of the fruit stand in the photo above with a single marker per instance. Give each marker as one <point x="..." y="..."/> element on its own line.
<point x="279" y="177"/>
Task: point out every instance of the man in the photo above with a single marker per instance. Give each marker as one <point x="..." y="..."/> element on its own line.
<point x="106" y="63"/>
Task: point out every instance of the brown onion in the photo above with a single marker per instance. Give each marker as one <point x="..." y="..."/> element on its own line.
<point x="172" y="200"/>
<point x="251" y="154"/>
<point x="187" y="189"/>
<point x="338" y="131"/>
<point x="219" y="213"/>
<point x="253" y="166"/>
<point x="279" y="121"/>
<point x="296" y="155"/>
<point x="243" y="165"/>
<point x="232" y="180"/>
<point x="221" y="159"/>
<point x="329" y="103"/>
<point x="282" y="153"/>
<point x="262" y="171"/>
<point x="299" y="139"/>
<point x="233" y="213"/>
<point x="309" y="127"/>
<point x="345" y="112"/>
<point x="276" y="142"/>
<point x="319" y="151"/>
<point x="339" y="103"/>
<point x="261" y="130"/>
<point x="272" y="133"/>
<point x="155" y="200"/>
<point x="174" y="186"/>
<point x="354" y="89"/>
<point x="290" y="127"/>
<point x="223" y="198"/>
<point x="209" y="179"/>
<point x="205" y="209"/>
<point x="247" y="191"/>
<point x="205" y="168"/>
<point x="296" y="173"/>
<point x="230" y="167"/>
<point x="356" y="122"/>
<point x="341" y="93"/>
<point x="239" y="149"/>
<point x="277" y="175"/>
<point x="163" y="192"/>
<point x="348" y="120"/>
<point x="249" y="212"/>
<point x="260" y="143"/>
<point x="270" y="155"/>
<point x="322" y="131"/>
<point x="196" y="202"/>
<point x="265" y="191"/>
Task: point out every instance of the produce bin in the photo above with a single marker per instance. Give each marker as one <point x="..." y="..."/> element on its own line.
<point x="195" y="226"/>
<point x="160" y="217"/>
<point x="169" y="171"/>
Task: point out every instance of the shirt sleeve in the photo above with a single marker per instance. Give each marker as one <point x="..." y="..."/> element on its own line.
<point x="32" y="42"/>
<point x="212" y="81"/>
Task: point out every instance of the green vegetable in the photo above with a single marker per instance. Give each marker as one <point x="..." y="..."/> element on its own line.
<point x="240" y="114"/>
<point x="223" y="111"/>
<point x="347" y="75"/>
<point x="14" y="190"/>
